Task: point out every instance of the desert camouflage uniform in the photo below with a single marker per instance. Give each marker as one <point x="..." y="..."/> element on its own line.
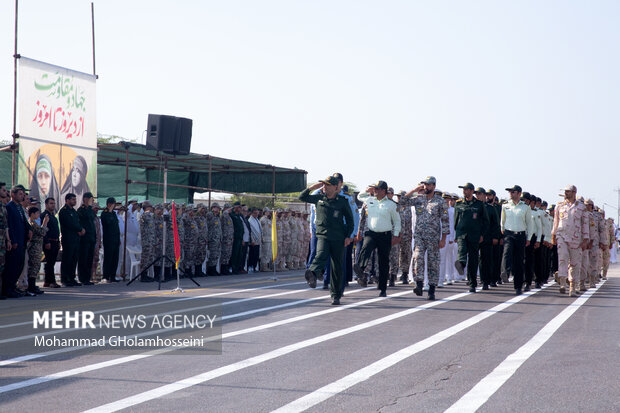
<point x="597" y="236"/>
<point x="265" y="248"/>
<point x="214" y="238"/>
<point x="158" y="221"/>
<point x="147" y="234"/>
<point x="432" y="223"/>
<point x="307" y="239"/>
<point x="301" y="239"/>
<point x="35" y="249"/>
<point x="611" y="237"/>
<point x="227" y="238"/>
<point x="286" y="242"/>
<point x="280" y="259"/>
<point x="293" y="261"/>
<point x="570" y="228"/>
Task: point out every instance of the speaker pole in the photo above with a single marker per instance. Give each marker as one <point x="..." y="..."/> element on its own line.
<point x="163" y="248"/>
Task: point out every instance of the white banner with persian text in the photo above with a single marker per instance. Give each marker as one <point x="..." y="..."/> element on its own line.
<point x="56" y="104"/>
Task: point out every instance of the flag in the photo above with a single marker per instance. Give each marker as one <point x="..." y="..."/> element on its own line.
<point x="274" y="237"/>
<point x="175" y="233"/>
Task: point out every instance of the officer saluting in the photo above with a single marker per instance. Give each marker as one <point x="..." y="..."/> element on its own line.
<point x="331" y="231"/>
<point x="471" y="221"/>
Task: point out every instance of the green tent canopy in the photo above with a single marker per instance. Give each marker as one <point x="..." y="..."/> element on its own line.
<point x="187" y="174"/>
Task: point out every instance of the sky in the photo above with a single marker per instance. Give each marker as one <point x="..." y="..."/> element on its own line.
<point x="492" y="92"/>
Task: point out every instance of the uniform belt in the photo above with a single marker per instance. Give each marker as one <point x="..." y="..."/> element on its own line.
<point x="515" y="232"/>
<point x="380" y="233"/>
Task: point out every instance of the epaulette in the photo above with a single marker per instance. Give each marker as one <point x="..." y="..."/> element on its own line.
<point x="459" y="200"/>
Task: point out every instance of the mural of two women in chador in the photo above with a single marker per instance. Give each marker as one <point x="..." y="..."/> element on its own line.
<point x="44" y="184"/>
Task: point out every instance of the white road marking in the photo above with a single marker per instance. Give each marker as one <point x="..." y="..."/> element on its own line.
<point x="334" y="388"/>
<point x="122" y="360"/>
<point x="107" y="310"/>
<point x="252" y="361"/>
<point x="482" y="392"/>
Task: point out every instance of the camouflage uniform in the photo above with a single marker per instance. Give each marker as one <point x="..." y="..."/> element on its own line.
<point x="286" y="242"/>
<point x="189" y="241"/>
<point x="214" y="238"/>
<point x="35" y="249"/>
<point x="597" y="234"/>
<point x="147" y="235"/>
<point x="301" y="238"/>
<point x="280" y="259"/>
<point x="293" y="261"/>
<point x="406" y="238"/>
<point x="431" y="224"/>
<point x="307" y="238"/>
<point x="611" y="237"/>
<point x="571" y="228"/>
<point x="265" y="248"/>
<point x="203" y="237"/>
<point x="227" y="238"/>
<point x="158" y="221"/>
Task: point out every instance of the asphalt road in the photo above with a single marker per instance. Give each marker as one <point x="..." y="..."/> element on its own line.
<point x="285" y="348"/>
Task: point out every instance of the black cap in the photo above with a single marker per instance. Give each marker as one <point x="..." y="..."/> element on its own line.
<point x="468" y="185"/>
<point x="110" y="200"/>
<point x="330" y="180"/>
<point x="491" y="192"/>
<point x="34" y="200"/>
<point x="236" y="204"/>
<point x="515" y="188"/>
<point x="380" y="185"/>
<point x="480" y="189"/>
<point x="526" y="195"/>
<point x="338" y="176"/>
<point x="19" y="188"/>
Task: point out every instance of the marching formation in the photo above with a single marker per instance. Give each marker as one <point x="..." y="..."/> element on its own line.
<point x="444" y="238"/>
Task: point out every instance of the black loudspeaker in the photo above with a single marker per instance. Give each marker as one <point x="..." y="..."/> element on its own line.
<point x="183" y="139"/>
<point x="169" y="134"/>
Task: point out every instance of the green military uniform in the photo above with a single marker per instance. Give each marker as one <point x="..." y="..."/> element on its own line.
<point x="111" y="244"/>
<point x="493" y="231"/>
<point x="69" y="227"/>
<point x="4" y="225"/>
<point x="87" y="243"/>
<point x="331" y="232"/>
<point x="470" y="223"/>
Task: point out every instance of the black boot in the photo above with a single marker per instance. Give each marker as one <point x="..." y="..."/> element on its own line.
<point x="419" y="286"/>
<point x="32" y="286"/>
<point x="392" y="280"/>
<point x="431" y="292"/>
<point x="405" y="279"/>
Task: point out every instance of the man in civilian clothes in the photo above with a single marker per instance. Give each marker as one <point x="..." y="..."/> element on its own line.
<point x="18" y="233"/>
<point x="51" y="243"/>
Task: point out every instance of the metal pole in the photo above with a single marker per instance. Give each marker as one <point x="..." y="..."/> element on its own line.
<point x="163" y="249"/>
<point x="273" y="185"/>
<point x="14" y="147"/>
<point x="92" y="17"/>
<point x="210" y="168"/>
<point x="127" y="206"/>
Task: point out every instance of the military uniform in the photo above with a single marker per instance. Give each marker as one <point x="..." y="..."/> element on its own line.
<point x="471" y="221"/>
<point x="611" y="237"/>
<point x="203" y="239"/>
<point x="190" y="244"/>
<point x="147" y="235"/>
<point x="69" y="227"/>
<point x="406" y="240"/>
<point x="331" y="231"/>
<point x="227" y="242"/>
<point x="286" y="241"/>
<point x="598" y="236"/>
<point x="111" y="242"/>
<point x="35" y="251"/>
<point x="492" y="232"/>
<point x="265" y="250"/>
<point x="214" y="242"/>
<point x="570" y="228"/>
<point x="87" y="243"/>
<point x="430" y="226"/>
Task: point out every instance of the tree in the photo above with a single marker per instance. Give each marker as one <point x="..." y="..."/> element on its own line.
<point x="102" y="138"/>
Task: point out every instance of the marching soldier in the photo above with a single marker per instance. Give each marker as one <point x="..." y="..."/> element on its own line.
<point x="471" y="222"/>
<point x="571" y="234"/>
<point x="406" y="238"/>
<point x="431" y="230"/>
<point x="490" y="238"/>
